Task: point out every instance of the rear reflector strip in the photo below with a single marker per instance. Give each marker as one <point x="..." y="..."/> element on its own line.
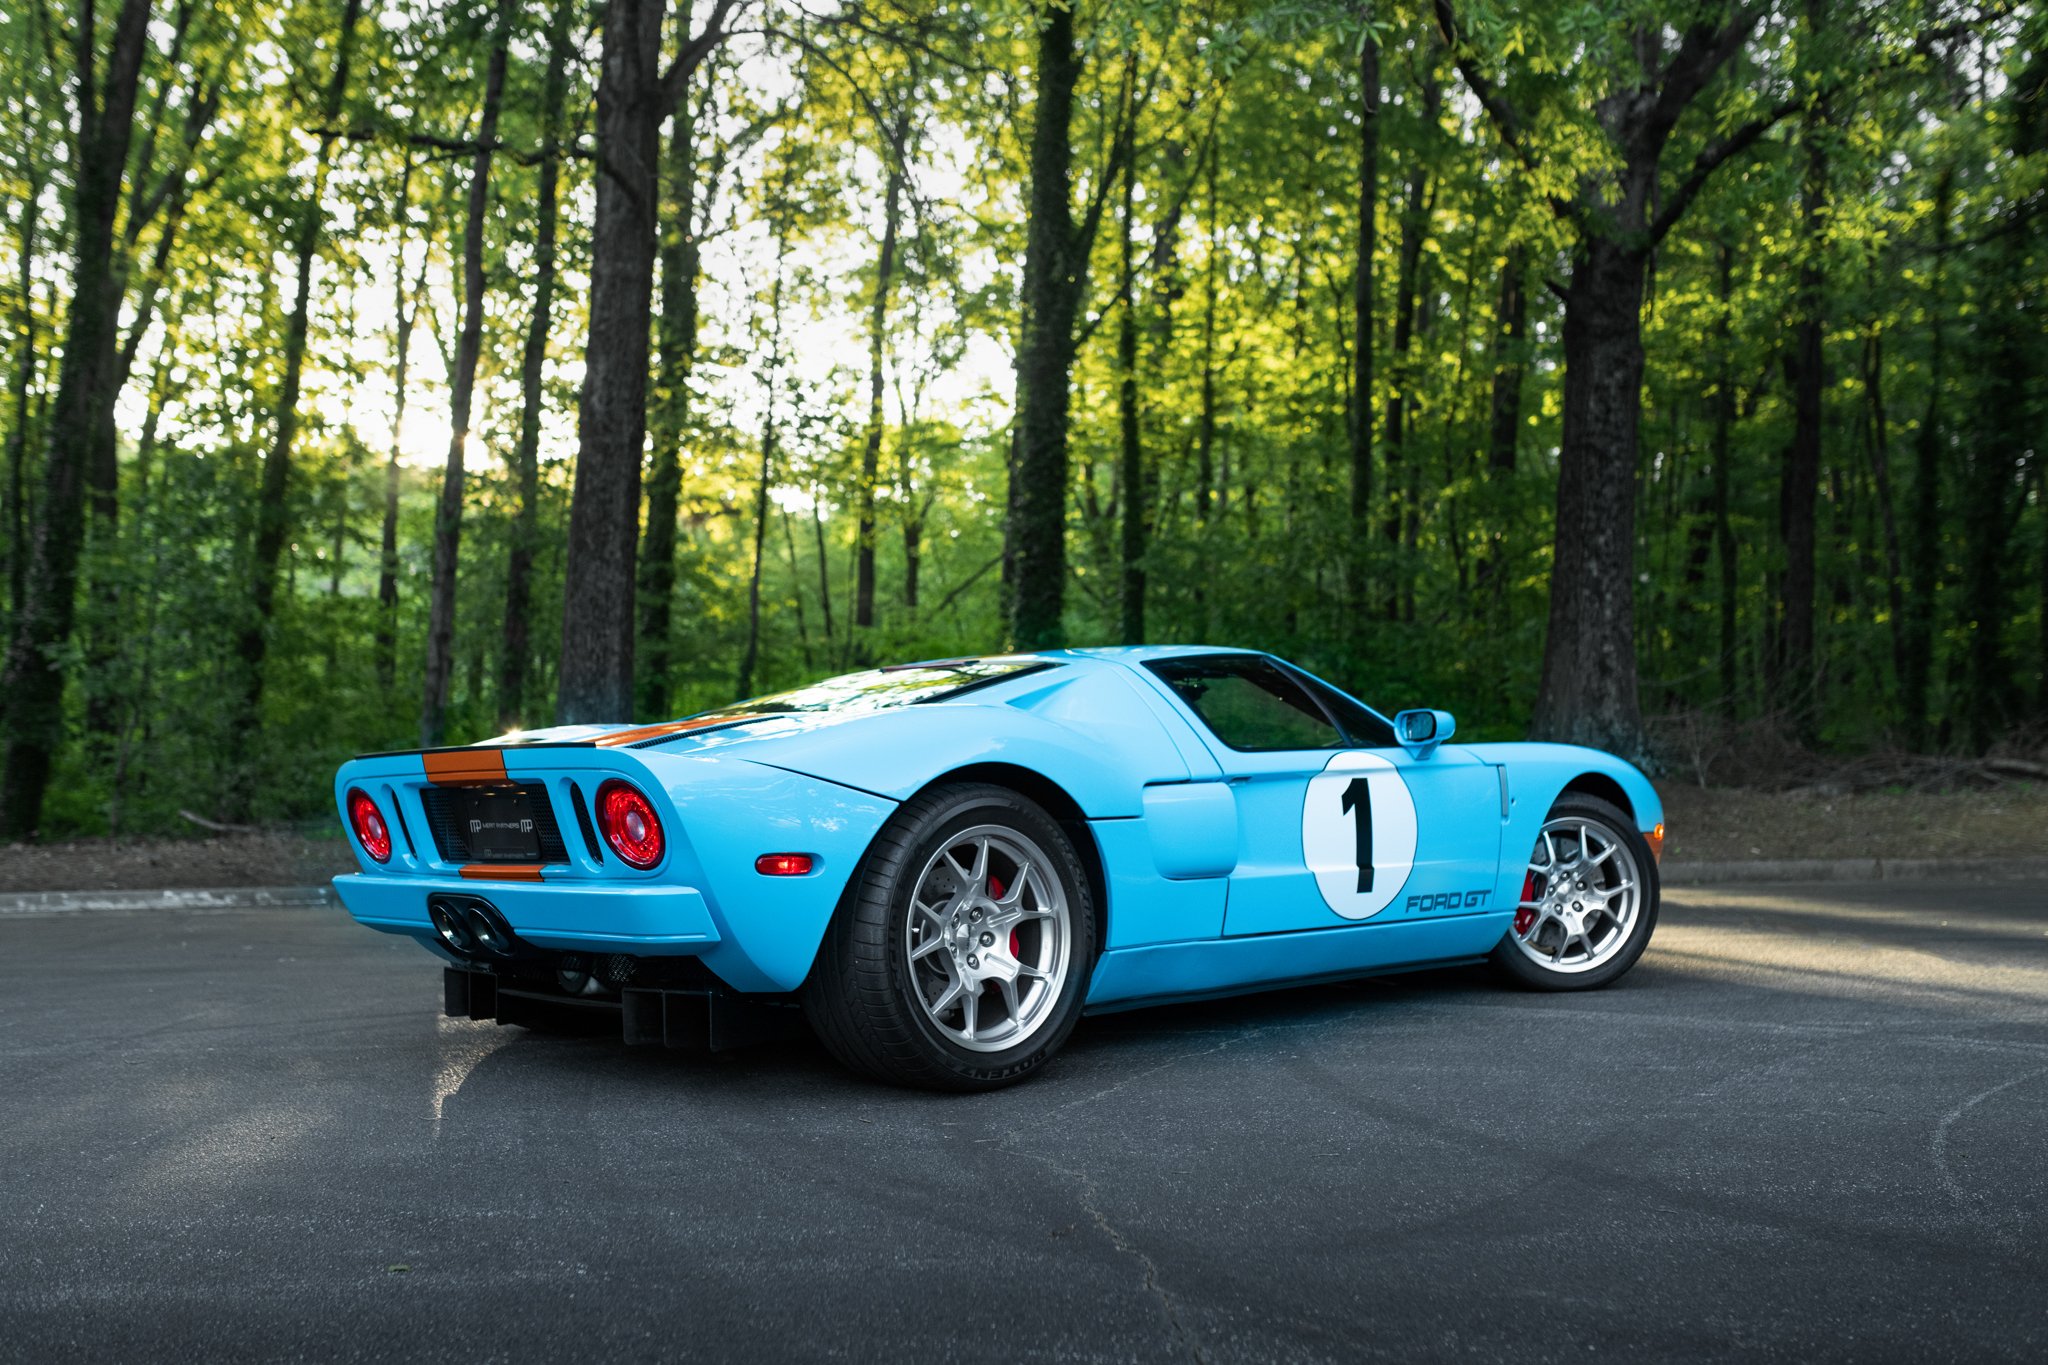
<point x="784" y="864"/>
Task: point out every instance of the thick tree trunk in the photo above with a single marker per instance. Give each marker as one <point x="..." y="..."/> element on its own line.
<point x="1365" y="243"/>
<point x="1996" y="464"/>
<point x="272" y="513"/>
<point x="384" y="647"/>
<point x="1035" y="538"/>
<point x="598" y="593"/>
<point x="1588" y="694"/>
<point x="878" y="336"/>
<point x="517" y="645"/>
<point x="33" y="681"/>
<point x="676" y="350"/>
<point x="440" y="663"/>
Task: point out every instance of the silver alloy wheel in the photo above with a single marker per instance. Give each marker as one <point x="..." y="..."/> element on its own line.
<point x="1580" y="897"/>
<point x="988" y="939"/>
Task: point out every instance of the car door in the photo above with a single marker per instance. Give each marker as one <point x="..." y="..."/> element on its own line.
<point x="1337" y="823"/>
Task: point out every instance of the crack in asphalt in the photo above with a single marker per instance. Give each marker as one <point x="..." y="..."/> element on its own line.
<point x="1125" y="1246"/>
<point x="1938" y="1151"/>
<point x="1088" y="1193"/>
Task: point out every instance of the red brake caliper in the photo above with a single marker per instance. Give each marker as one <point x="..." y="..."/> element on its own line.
<point x="1532" y="888"/>
<point x="995" y="893"/>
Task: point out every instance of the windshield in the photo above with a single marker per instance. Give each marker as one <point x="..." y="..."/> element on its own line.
<point x="881" y="688"/>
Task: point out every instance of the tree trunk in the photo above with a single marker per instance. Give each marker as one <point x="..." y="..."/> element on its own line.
<point x="1724" y="425"/>
<point x="1923" y="522"/>
<point x="1793" y="683"/>
<point x="1415" y="225"/>
<point x="796" y="594"/>
<point x="16" y="512"/>
<point x="1205" y="425"/>
<point x="1511" y="320"/>
<point x="676" y="350"/>
<point x="34" y="678"/>
<point x="1588" y="694"/>
<point x="878" y="335"/>
<point x="272" y="499"/>
<point x="440" y="663"/>
<point x="385" y="645"/>
<point x="599" y="588"/>
<point x="1366" y="243"/>
<point x="517" y="644"/>
<point x="913" y="513"/>
<point x="1996" y="464"/>
<point x="824" y="567"/>
<point x="1035" y="537"/>
<point x="1131" y="447"/>
<point x="1879" y="437"/>
<point x="752" y="657"/>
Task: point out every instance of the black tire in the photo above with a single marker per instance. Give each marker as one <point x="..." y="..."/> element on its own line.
<point x="862" y="995"/>
<point x="1518" y="964"/>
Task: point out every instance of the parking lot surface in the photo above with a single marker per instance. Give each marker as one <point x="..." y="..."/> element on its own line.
<point x="1811" y="1125"/>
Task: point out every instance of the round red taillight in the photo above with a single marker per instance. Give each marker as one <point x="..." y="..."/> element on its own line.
<point x="368" y="822"/>
<point x="629" y="824"/>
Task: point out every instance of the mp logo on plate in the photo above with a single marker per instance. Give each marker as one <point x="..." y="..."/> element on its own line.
<point x="1358" y="833"/>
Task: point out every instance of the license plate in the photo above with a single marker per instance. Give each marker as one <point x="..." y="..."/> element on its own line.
<point x="499" y="826"/>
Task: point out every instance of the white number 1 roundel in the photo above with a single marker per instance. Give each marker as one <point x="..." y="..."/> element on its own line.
<point x="1358" y="833"/>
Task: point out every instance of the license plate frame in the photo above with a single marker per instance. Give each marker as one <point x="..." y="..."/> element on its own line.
<point x="498" y="824"/>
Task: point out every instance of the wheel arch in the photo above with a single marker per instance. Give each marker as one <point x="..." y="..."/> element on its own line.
<point x="1057" y="803"/>
<point x="1602" y="786"/>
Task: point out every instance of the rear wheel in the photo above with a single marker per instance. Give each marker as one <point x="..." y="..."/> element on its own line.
<point x="1589" y="900"/>
<point x="960" y="954"/>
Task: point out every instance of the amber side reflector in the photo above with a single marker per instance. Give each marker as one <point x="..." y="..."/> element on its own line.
<point x="1656" y="841"/>
<point x="784" y="864"/>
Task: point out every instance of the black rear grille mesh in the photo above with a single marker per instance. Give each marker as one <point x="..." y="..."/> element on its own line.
<point x="453" y="841"/>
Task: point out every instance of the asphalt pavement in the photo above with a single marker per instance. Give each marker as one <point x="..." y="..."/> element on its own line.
<point x="1811" y="1125"/>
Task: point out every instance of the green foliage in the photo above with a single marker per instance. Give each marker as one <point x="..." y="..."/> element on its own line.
<point x="1245" y="136"/>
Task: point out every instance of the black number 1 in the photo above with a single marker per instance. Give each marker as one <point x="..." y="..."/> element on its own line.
<point x="1358" y="801"/>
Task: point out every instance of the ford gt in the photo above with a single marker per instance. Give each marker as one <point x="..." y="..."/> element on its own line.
<point x="941" y="866"/>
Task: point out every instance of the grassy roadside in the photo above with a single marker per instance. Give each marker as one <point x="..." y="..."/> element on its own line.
<point x="1704" y="824"/>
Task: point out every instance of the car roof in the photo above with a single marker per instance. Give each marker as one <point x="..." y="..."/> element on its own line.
<point x="1139" y="654"/>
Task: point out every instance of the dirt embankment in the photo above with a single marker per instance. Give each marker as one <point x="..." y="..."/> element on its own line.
<point x="265" y="858"/>
<point x="1704" y="824"/>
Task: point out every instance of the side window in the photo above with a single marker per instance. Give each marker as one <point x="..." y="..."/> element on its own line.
<point x="1365" y="729"/>
<point x="1249" y="703"/>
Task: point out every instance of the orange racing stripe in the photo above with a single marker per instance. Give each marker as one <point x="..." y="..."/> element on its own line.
<point x="667" y="727"/>
<point x="466" y="767"/>
<point x="502" y="872"/>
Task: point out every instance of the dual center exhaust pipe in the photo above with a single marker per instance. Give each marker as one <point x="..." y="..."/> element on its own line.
<point x="471" y="927"/>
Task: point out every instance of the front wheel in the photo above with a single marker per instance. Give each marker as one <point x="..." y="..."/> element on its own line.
<point x="960" y="955"/>
<point x="1589" y="900"/>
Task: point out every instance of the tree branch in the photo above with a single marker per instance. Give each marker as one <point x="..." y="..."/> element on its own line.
<point x="677" y="77"/>
<point x="1490" y="97"/>
<point x="1712" y="156"/>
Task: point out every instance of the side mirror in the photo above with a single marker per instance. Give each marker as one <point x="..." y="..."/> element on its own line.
<point x="1419" y="732"/>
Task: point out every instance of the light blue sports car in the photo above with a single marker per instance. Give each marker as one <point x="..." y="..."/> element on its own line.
<point x="943" y="865"/>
